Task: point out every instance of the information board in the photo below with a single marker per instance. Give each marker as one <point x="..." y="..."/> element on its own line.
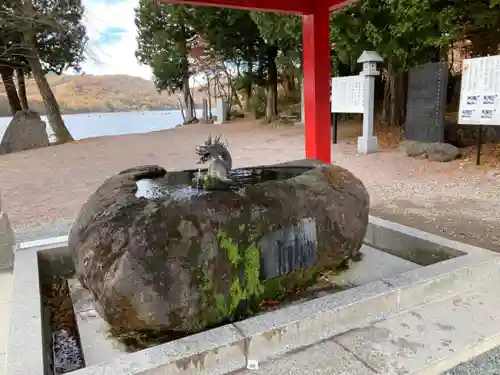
<point x="347" y="94"/>
<point x="480" y="91"/>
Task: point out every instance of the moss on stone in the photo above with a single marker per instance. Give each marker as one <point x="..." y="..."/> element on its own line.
<point x="279" y="288"/>
<point x="210" y="182"/>
<point x="245" y="261"/>
<point x="274" y="289"/>
<point x="251" y="259"/>
<point x="214" y="306"/>
<point x="232" y="250"/>
<point x="237" y="295"/>
<point x="214" y="183"/>
<point x="246" y="288"/>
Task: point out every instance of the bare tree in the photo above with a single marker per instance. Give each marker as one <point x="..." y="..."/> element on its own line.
<point x="26" y="31"/>
<point x="49" y="100"/>
<point x="7" y="74"/>
<point x="21" y="88"/>
<point x="203" y="60"/>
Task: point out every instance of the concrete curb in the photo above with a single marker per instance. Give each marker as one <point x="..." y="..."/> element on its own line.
<point x="263" y="337"/>
<point x="397" y="238"/>
<point x="44" y="244"/>
<point x="7" y="242"/>
<point x="24" y="347"/>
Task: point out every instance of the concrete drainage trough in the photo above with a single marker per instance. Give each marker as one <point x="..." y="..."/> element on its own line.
<point x="445" y="268"/>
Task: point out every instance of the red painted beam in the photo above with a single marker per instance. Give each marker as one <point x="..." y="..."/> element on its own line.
<point x="316" y="61"/>
<point x="336" y="5"/>
<point x="283" y="6"/>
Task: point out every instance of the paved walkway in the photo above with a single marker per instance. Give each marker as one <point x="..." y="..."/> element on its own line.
<point x="5" y="299"/>
<point x="429" y="337"/>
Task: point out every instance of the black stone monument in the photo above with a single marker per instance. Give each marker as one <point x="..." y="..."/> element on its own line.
<point x="426" y="104"/>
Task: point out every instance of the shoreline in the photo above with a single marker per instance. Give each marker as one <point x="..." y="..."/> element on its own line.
<point x="92" y="125"/>
<point x="9" y="116"/>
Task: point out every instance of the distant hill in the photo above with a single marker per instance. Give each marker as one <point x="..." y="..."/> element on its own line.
<point x="88" y="93"/>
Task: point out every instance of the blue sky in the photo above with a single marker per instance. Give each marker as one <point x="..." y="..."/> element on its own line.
<point x="112" y="38"/>
<point x="112" y="2"/>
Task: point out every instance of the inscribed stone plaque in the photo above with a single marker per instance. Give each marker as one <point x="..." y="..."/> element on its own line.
<point x="426" y="105"/>
<point x="288" y="249"/>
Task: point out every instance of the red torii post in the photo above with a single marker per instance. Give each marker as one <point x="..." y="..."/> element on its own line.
<point x="316" y="60"/>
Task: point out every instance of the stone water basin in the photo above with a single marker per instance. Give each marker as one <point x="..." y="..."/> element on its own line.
<point x="159" y="256"/>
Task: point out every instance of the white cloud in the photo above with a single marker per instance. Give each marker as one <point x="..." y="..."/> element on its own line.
<point x="115" y="58"/>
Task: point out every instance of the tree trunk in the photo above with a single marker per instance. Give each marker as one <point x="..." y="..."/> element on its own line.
<point x="209" y="99"/>
<point x="193" y="106"/>
<point x="272" y="84"/>
<point x="395" y="93"/>
<point x="186" y="90"/>
<point x="248" y="87"/>
<point x="233" y="93"/>
<point x="49" y="100"/>
<point x="21" y="87"/>
<point x="188" y="99"/>
<point x="290" y="80"/>
<point x="290" y="84"/>
<point x="7" y="74"/>
<point x="188" y="114"/>
<point x="248" y="97"/>
<point x="215" y="88"/>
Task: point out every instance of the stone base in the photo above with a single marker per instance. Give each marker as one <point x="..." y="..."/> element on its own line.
<point x="221" y="112"/>
<point x="367" y="145"/>
<point x="26" y="131"/>
<point x="7" y="242"/>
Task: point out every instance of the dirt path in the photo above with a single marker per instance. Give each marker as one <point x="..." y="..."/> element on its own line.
<point x="43" y="190"/>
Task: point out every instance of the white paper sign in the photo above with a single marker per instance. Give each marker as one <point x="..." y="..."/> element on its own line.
<point x="347" y="94"/>
<point x="480" y="92"/>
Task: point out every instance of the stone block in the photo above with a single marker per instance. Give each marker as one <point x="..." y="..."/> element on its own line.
<point x="25" y="131"/>
<point x="215" y="352"/>
<point x="7" y="242"/>
<point x="26" y="342"/>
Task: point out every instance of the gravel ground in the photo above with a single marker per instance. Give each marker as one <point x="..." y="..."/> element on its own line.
<point x="485" y="364"/>
<point x="43" y="190"/>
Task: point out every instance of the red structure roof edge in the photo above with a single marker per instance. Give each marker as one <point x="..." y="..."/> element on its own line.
<point x="282" y="6"/>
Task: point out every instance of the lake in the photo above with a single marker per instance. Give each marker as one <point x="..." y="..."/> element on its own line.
<point x="86" y="125"/>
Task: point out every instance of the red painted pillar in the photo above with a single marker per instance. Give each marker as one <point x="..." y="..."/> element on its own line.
<point x="316" y="60"/>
